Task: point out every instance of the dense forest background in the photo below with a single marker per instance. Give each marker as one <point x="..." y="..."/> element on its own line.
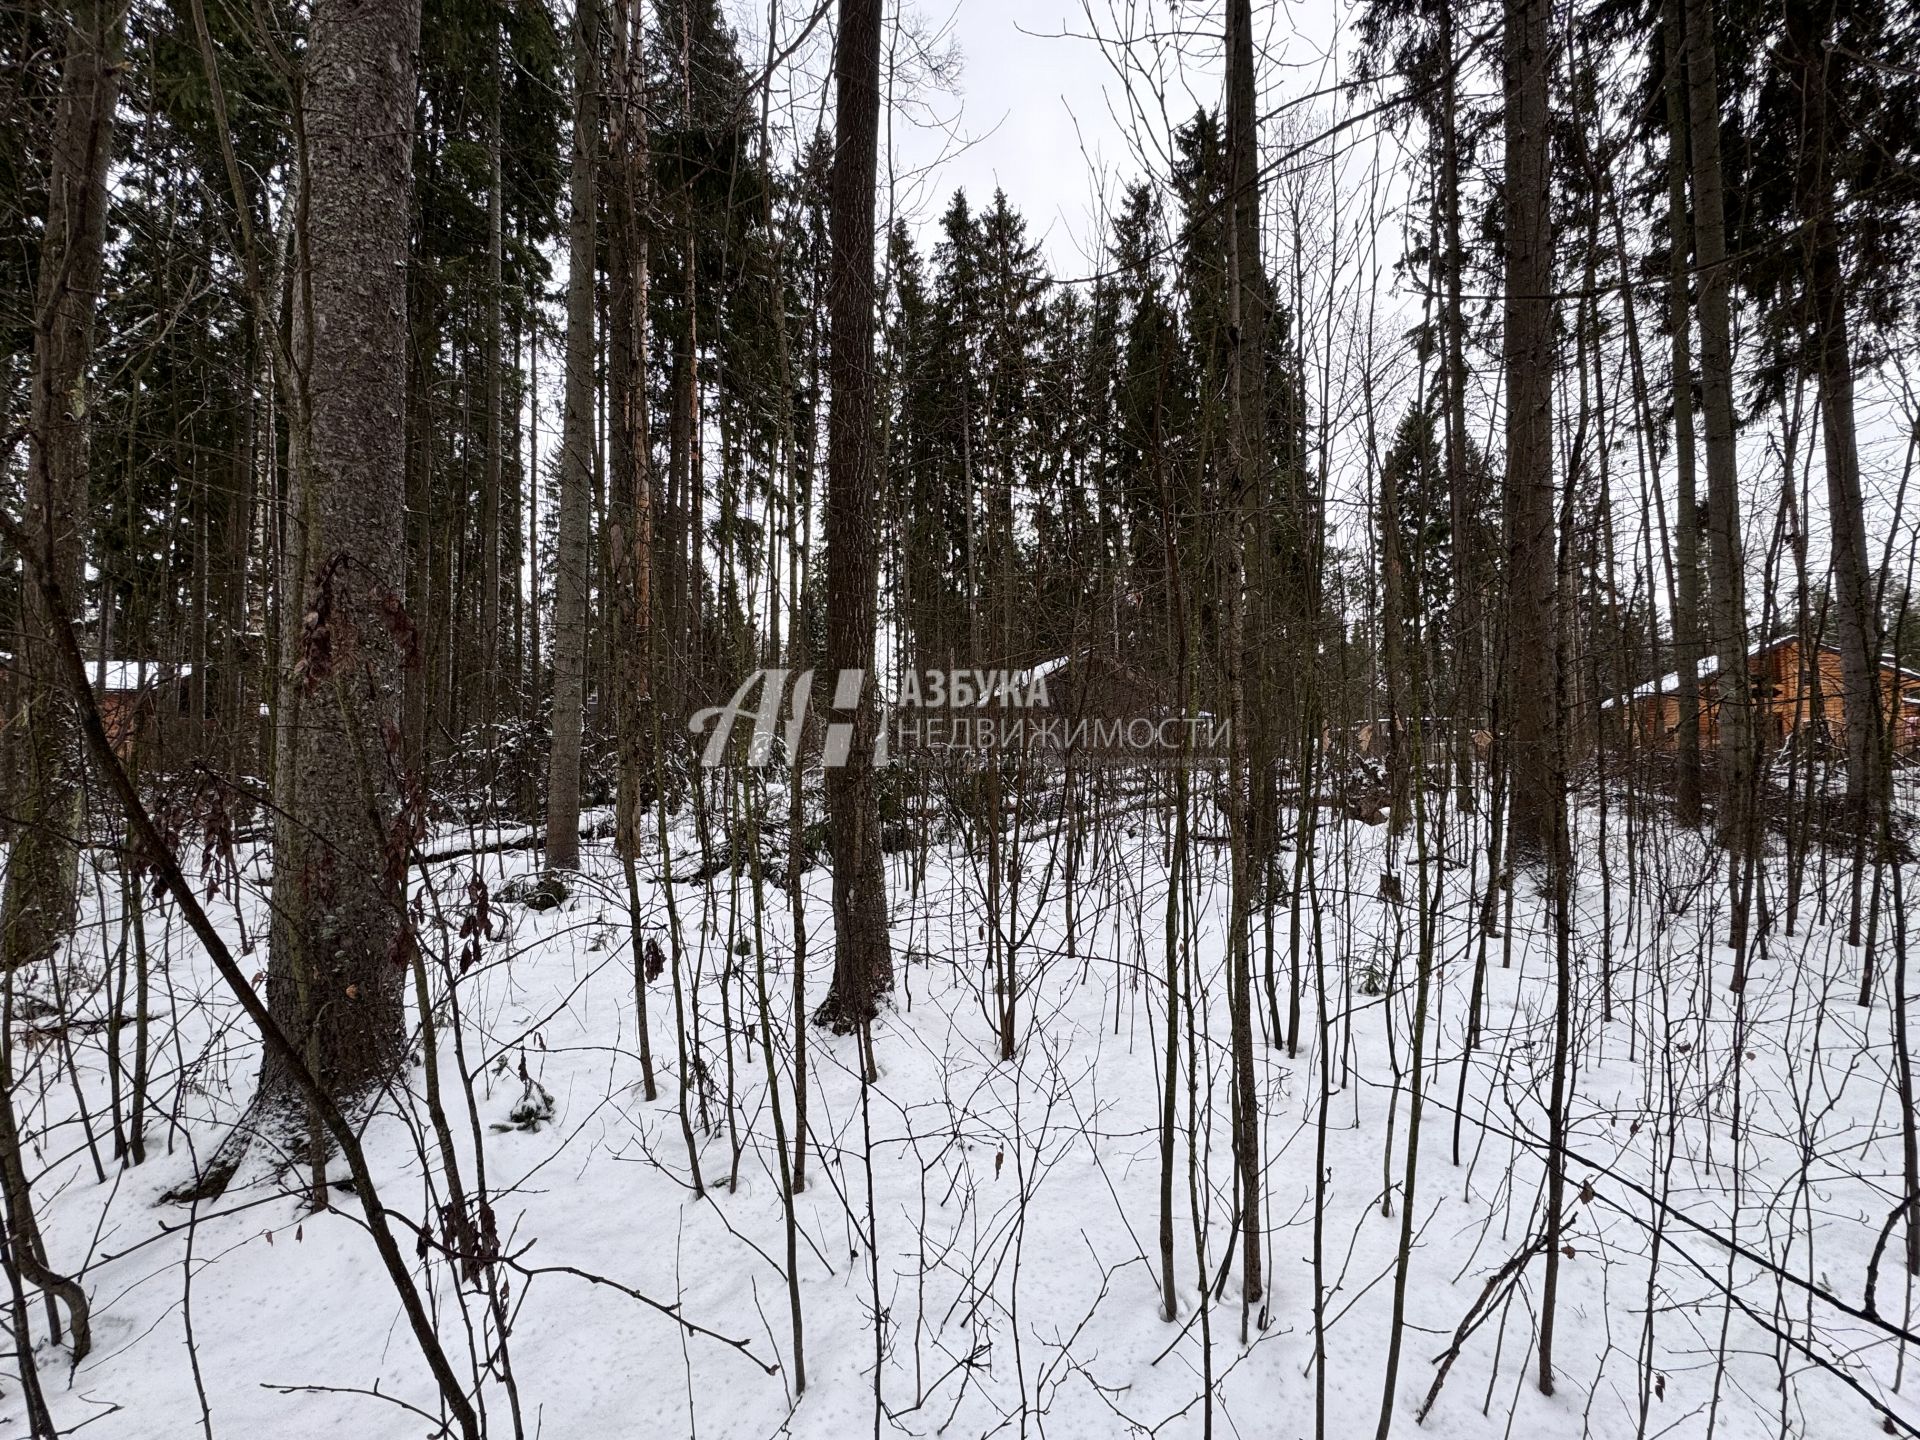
<point x="423" y="418"/>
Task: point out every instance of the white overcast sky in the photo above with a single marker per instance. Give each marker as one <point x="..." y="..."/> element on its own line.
<point x="1032" y="100"/>
<point x="1044" y="113"/>
<point x="1039" y="109"/>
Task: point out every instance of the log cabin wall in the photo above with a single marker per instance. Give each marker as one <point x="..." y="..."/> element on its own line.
<point x="1786" y="696"/>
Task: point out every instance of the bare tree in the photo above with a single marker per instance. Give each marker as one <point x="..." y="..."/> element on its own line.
<point x="1247" y="393"/>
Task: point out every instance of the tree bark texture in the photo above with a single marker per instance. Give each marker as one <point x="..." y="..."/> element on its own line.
<point x="862" y="955"/>
<point x="42" y="867"/>
<point x="335" y="972"/>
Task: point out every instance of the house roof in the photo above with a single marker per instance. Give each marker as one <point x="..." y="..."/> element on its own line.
<point x="1669" y="684"/>
<point x="1666" y="685"/>
<point x="120" y="677"/>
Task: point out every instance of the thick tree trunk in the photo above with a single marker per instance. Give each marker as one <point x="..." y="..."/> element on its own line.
<point x="340" y="851"/>
<point x="862" y="956"/>
<point x="1855" y="628"/>
<point x="1725" y="563"/>
<point x="576" y="459"/>
<point x="1686" y="616"/>
<point x="1533" y="692"/>
<point x="1532" y="725"/>
<point x="42" y="867"/>
<point x="632" y="492"/>
<point x="43" y="864"/>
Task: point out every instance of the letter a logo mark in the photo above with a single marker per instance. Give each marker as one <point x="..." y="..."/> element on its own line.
<point x="766" y="716"/>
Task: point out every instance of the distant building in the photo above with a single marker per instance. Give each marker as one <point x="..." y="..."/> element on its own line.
<point x="1788" y="693"/>
<point x="144" y="705"/>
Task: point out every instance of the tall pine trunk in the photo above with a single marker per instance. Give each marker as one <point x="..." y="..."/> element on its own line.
<point x="1531" y="730"/>
<point x="1686" y="615"/>
<point x="631" y="500"/>
<point x="490" y="638"/>
<point x="43" y="865"/>
<point x="1726" y="567"/>
<point x="1469" y="682"/>
<point x="1537" y="827"/>
<point x="341" y="849"/>
<point x="862" y="956"/>
<point x="1855" y="629"/>
<point x="569" y="645"/>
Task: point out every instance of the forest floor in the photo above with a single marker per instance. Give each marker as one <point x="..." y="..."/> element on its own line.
<point x="1013" y="1206"/>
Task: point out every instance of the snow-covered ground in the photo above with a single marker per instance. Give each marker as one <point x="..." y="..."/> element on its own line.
<point x="1002" y="1217"/>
